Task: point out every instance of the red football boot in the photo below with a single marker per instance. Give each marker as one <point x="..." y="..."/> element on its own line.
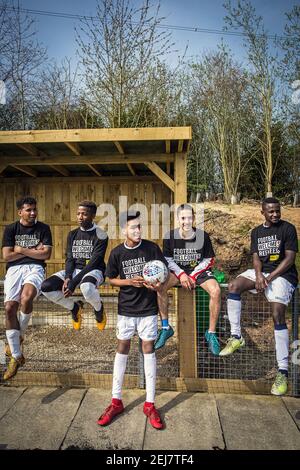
<point x="115" y="408"/>
<point x="153" y="415"/>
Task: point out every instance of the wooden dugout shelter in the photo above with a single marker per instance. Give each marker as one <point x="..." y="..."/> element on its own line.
<point x="60" y="168"/>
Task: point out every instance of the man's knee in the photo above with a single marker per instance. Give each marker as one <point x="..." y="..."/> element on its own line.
<point x="11" y="309"/>
<point x="88" y="289"/>
<point x="148" y="347"/>
<point x="123" y="346"/>
<point x="28" y="296"/>
<point x="234" y="288"/>
<point x="278" y="314"/>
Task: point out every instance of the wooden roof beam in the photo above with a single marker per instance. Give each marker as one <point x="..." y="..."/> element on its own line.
<point x="161" y="175"/>
<point x="31" y="149"/>
<point x="74" y="147"/>
<point x="60" y="169"/>
<point x="86" y="159"/>
<point x="2" y="168"/>
<point x="35" y="152"/>
<point x="94" y="170"/>
<point x="122" y="152"/>
<point x="180" y="146"/>
<point x="26" y="169"/>
<point x="119" y="147"/>
<point x="96" y="135"/>
<point x="131" y="169"/>
<point x="168" y="146"/>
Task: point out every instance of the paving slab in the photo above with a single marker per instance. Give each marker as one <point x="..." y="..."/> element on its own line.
<point x="191" y="422"/>
<point x="293" y="405"/>
<point x="126" y="431"/>
<point x="40" y="418"/>
<point x="254" y="422"/>
<point x="8" y="397"/>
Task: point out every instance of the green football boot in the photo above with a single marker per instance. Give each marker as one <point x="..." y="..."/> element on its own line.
<point x="232" y="345"/>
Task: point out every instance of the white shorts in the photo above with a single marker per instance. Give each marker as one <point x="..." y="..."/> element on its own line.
<point x="145" y="326"/>
<point x="17" y="276"/>
<point x="280" y="290"/>
<point x="96" y="273"/>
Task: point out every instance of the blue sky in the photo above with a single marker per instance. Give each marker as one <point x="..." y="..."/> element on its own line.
<point x="57" y="34"/>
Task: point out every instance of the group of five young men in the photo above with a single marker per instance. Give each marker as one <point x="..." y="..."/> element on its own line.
<point x="189" y="257"/>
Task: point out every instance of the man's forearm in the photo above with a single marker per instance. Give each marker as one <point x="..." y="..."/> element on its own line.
<point x="119" y="282"/>
<point x="13" y="256"/>
<point x="281" y="268"/>
<point x="43" y="254"/>
<point x="257" y="265"/>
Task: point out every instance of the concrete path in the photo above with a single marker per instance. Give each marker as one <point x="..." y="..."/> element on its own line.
<point x="49" y="418"/>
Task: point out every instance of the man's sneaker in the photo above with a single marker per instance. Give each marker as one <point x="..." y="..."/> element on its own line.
<point x="163" y="335"/>
<point x="100" y="318"/>
<point x="213" y="343"/>
<point x="115" y="408"/>
<point x="279" y="387"/>
<point x="13" y="366"/>
<point x="232" y="345"/>
<point x="153" y="415"/>
<point x="7" y="348"/>
<point x="77" y="315"/>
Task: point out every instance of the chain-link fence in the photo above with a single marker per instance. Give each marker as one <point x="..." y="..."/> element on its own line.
<point x="256" y="361"/>
<point x="56" y="354"/>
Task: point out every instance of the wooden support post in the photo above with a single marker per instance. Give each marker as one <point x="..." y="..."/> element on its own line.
<point x="187" y="339"/>
<point x="180" y="171"/>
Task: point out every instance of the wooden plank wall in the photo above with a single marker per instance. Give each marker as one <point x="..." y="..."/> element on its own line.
<point x="57" y="205"/>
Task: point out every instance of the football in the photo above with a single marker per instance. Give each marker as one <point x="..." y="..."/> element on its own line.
<point x="155" y="271"/>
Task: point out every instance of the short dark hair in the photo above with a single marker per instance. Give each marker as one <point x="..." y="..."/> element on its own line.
<point x="25" y="200"/>
<point x="90" y="205"/>
<point x="126" y="216"/>
<point x="269" y="200"/>
<point x="183" y="207"/>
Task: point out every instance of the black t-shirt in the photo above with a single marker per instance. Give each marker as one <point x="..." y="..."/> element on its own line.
<point x="85" y="251"/>
<point x="270" y="244"/>
<point x="187" y="254"/>
<point x="127" y="263"/>
<point x="17" y="234"/>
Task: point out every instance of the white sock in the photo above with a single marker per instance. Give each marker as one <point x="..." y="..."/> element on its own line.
<point x="57" y="297"/>
<point x="91" y="295"/>
<point x="13" y="338"/>
<point x="234" y="308"/>
<point x="282" y="347"/>
<point x="150" y="375"/>
<point x="118" y="375"/>
<point x="24" y="319"/>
